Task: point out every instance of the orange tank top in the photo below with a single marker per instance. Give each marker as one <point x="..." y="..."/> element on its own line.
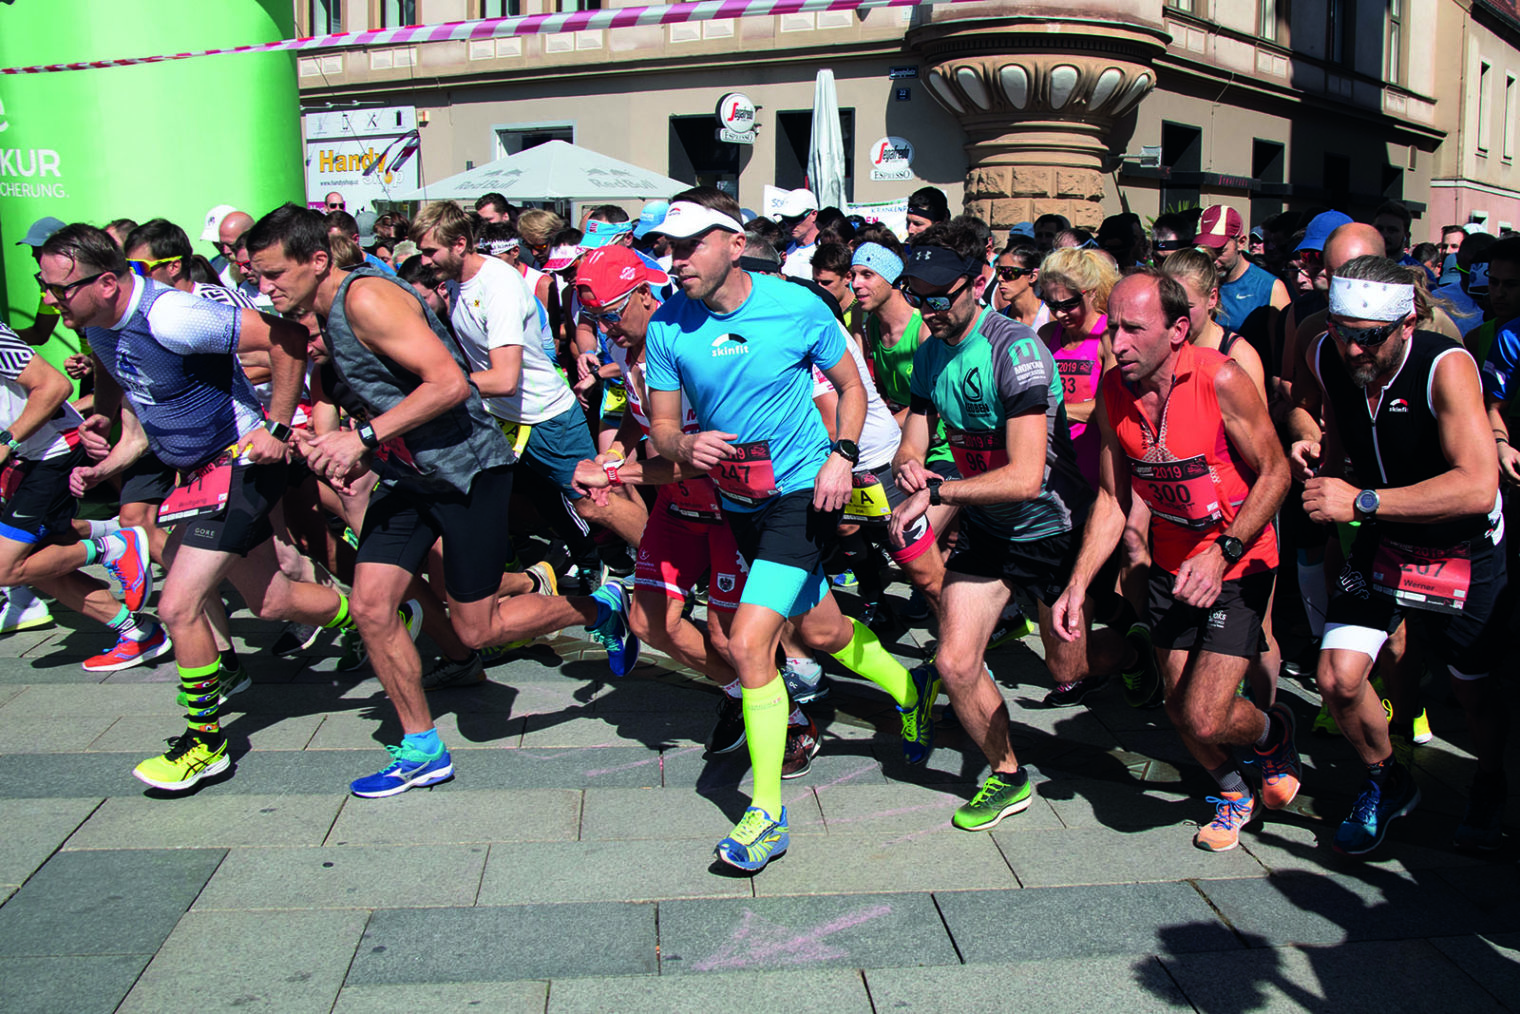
<point x="1188" y="474"/>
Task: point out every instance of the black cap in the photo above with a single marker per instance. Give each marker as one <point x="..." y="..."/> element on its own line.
<point x="939" y="265"/>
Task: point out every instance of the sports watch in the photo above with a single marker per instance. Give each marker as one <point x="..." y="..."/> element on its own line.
<point x="279" y="431"/>
<point x="934" y="497"/>
<point x="367" y="436"/>
<point x="848" y="450"/>
<point x="1232" y="548"/>
<point x="1368" y="502"/>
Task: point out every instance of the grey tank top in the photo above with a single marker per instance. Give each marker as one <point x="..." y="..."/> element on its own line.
<point x="448" y="451"/>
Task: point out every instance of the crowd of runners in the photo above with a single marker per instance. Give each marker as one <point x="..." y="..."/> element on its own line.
<point x="1113" y="439"/>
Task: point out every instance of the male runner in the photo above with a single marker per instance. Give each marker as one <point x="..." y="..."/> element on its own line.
<point x="741" y="348"/>
<point x="1184" y="429"/>
<point x="173" y="357"/>
<point x="1404" y="409"/>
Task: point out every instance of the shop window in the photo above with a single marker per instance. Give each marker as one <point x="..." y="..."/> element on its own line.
<point x="326" y="17"/>
<point x="397" y="13"/>
<point x="794" y="131"/>
<point x="1181" y="152"/>
<point x="699" y="158"/>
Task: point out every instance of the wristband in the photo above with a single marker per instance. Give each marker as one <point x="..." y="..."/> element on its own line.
<point x="279" y="431"/>
<point x="613" y="450"/>
<point x="611" y="468"/>
<point x="367" y="436"/>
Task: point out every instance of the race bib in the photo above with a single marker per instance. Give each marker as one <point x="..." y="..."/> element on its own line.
<point x="614" y="399"/>
<point x="749" y="476"/>
<point x="1078" y="379"/>
<point x="1182" y="492"/>
<point x="868" y="499"/>
<point x="694" y="500"/>
<point x="517" y="435"/>
<point x="978" y="453"/>
<point x="1419" y="577"/>
<point x="204" y="496"/>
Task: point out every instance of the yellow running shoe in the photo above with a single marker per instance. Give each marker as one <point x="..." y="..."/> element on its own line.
<point x="1422" y="733"/>
<point x="191" y="757"/>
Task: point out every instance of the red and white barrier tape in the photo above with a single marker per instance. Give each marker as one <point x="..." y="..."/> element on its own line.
<point x="490" y="28"/>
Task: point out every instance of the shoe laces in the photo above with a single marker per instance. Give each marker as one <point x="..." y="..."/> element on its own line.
<point x="1230" y="813"/>
<point x="181" y="744"/>
<point x="752" y="826"/>
<point x="991" y="787"/>
<point x="1364" y="810"/>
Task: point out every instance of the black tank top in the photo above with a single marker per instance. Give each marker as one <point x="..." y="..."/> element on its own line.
<point x="1401" y="445"/>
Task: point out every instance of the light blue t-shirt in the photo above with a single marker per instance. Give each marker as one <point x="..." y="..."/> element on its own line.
<point x="750" y="372"/>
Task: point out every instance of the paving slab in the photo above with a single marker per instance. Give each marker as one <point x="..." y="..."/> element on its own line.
<point x="526" y="873"/>
<point x="1493" y="959"/>
<point x="1294" y="844"/>
<point x="34" y="828"/>
<point x="1492" y="888"/>
<point x="79" y="701"/>
<point x="285" y="962"/>
<point x="871" y="863"/>
<point x="446" y="998"/>
<point x="851" y="931"/>
<point x="814" y="991"/>
<point x="23" y="733"/>
<point x="350" y="731"/>
<point x="143" y="733"/>
<point x="69" y="775"/>
<point x="1102" y="856"/>
<point x="1093" y="985"/>
<point x="354" y="876"/>
<point x="1357" y="978"/>
<point x="1121" y="803"/>
<point x="120" y="902"/>
<point x="443" y="816"/>
<point x="897" y="808"/>
<point x="1060" y="922"/>
<point x="486" y="944"/>
<point x="77" y="984"/>
<point x="632" y="814"/>
<point x="206" y="820"/>
<point x="651" y="730"/>
<point x="855" y="763"/>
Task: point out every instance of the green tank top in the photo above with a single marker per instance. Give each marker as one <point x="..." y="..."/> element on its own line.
<point x="894" y="372"/>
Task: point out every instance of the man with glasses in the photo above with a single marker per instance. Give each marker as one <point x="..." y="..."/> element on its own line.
<point x="334" y="202"/>
<point x="1171" y="232"/>
<point x="1250" y="297"/>
<point x="994" y="386"/>
<point x="1414" y="467"/>
<point x="798" y="217"/>
<point x="168" y="359"/>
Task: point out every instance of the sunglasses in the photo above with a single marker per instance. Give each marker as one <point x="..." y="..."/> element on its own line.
<point x="609" y="315"/>
<point x="143" y="268"/>
<point x="1064" y="305"/>
<point x="1008" y="272"/>
<point x="934" y="304"/>
<point x="63" y="292"/>
<point x="1170" y="245"/>
<point x="340" y="206"/>
<point x="1366" y="337"/>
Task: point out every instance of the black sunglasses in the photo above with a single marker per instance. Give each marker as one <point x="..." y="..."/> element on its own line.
<point x="1171" y="245"/>
<point x="67" y="289"/>
<point x="1064" y="305"/>
<point x="1007" y="272"/>
<point x="934" y="304"/>
<point x="1366" y="337"/>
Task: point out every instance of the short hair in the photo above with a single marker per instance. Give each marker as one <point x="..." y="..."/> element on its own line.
<point x="1423" y="252"/>
<point x="833" y="257"/>
<point x="496" y="201"/>
<point x="1371" y="268"/>
<point x="1506" y="250"/>
<point x="1475" y="246"/>
<point x="1184" y="227"/>
<point x="496" y="232"/>
<point x="416" y="272"/>
<point x="757" y="247"/>
<point x="879" y="234"/>
<point x="767" y="230"/>
<point x="446" y="221"/>
<point x="568" y="236"/>
<point x="92" y="250"/>
<point x="982" y="229"/>
<point x="162" y="238"/>
<point x="956" y="236"/>
<point x="930" y="203"/>
<point x="1452" y="228"/>
<point x="1175" y="304"/>
<point x="712" y="197"/>
<point x="341" y="221"/>
<point x="1061" y="222"/>
<point x="1079" y="237"/>
<point x="1123" y="224"/>
<point x="1081" y="270"/>
<point x="300" y="231"/>
<point x="1397" y="210"/>
<point x="607" y="213"/>
<point x="1027" y="254"/>
<point x="121" y="225"/>
<point x="345" y="252"/>
<point x="537" y="226"/>
<point x="835" y="221"/>
<point x="200" y="270"/>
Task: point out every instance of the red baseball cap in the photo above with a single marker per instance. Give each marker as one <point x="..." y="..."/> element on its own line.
<point x="611" y="272"/>
<point x="1218" y="225"/>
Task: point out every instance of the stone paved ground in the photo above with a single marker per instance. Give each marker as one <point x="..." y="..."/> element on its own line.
<point x="567" y="868"/>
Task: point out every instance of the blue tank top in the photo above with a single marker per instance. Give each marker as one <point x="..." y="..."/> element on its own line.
<point x="1238" y="299"/>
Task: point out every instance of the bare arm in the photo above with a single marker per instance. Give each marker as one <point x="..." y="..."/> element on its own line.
<point x="1469" y="486"/>
<point x="1021" y="479"/>
<point x="46" y="391"/>
<point x="285" y="342"/>
<point x="390" y="322"/>
<point x="504" y="377"/>
<point x="1250" y="431"/>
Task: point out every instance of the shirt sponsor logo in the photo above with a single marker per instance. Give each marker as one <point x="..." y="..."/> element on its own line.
<point x="1398" y="405"/>
<point x="730" y="345"/>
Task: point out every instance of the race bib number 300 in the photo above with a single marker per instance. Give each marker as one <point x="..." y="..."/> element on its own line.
<point x="750" y="475"/>
<point x="1182" y="492"/>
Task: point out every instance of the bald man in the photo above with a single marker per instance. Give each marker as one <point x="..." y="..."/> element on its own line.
<point x="233" y="226"/>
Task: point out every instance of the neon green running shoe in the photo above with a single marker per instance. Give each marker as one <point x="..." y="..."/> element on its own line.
<point x="1000" y="796"/>
<point x="918" y="720"/>
<point x="755" y="840"/>
<point x="191" y="757"/>
<point x="1422" y="733"/>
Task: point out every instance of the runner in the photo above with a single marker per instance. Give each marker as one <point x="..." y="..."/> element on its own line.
<point x="1183" y="428"/>
<point x="741" y="347"/>
<point x="172" y="356"/>
<point x="1405" y="408"/>
<point x="1018" y="270"/>
<point x="1076" y="284"/>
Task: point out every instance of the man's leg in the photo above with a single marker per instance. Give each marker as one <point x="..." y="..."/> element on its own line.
<point x="379" y="590"/>
<point x="972" y="607"/>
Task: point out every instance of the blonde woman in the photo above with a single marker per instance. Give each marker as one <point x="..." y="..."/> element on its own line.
<point x="1076" y="284"/>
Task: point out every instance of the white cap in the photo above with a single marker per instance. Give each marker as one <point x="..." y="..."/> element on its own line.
<point x="686" y="219"/>
<point x="561" y="257"/>
<point x="213" y="230"/>
<point x="796" y="203"/>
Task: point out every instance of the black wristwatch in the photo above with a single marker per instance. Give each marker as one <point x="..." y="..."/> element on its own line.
<point x="1232" y="548"/>
<point x="848" y="450"/>
<point x="367" y="436"/>
<point x="934" y="498"/>
<point x="279" y="431"/>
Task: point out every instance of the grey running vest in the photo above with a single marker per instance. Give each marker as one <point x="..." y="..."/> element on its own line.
<point x="447" y="451"/>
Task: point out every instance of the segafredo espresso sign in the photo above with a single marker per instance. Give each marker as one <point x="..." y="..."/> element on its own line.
<point x="736" y="119"/>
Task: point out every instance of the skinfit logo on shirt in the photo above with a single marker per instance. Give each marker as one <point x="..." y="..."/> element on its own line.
<point x="1398" y="405"/>
<point x="730" y="345"/>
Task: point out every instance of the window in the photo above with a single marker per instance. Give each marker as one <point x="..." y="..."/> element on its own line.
<point x="794" y="132"/>
<point x="326" y="17"/>
<point x="1182" y="153"/>
<point x="500" y="8"/>
<point x="1181" y="5"/>
<point x="699" y="158"/>
<point x="1341" y="24"/>
<point x="1266" y="20"/>
<point x="1268" y="163"/>
<point x="565" y="6"/>
<point x="397" y="13"/>
<point x="1485" y="107"/>
<point x="511" y="140"/>
<point x="1394" y="56"/>
<point x="1509" y="117"/>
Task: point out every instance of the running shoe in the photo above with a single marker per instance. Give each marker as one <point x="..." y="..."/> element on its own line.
<point x="190" y="758"/>
<point x="409" y="769"/>
<point x="1011" y="626"/>
<point x="1142" y="685"/>
<point x="1376" y="808"/>
<point x="355" y="654"/>
<point x="755" y="840"/>
<point x="231" y="681"/>
<point x="918" y="720"/>
<point x="802" y="745"/>
<point x="1422" y="733"/>
<point x="1232" y="812"/>
<point x="33" y="616"/>
<point x="917" y="608"/>
<point x="1482" y="825"/>
<point x="878" y="618"/>
<point x="1000" y="796"/>
<point x="802" y="688"/>
<point x="132" y="569"/>
<point x="613" y="633"/>
<point x="728" y="733"/>
<point x="448" y="673"/>
<point x="1069" y="695"/>
<point x="130" y="651"/>
<point x="845" y="581"/>
<point x="295" y="638"/>
<point x="542" y="576"/>
<point x="1281" y="770"/>
<point x="499" y="652"/>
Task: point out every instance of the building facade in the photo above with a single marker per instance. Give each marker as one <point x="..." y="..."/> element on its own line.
<point x="1084" y="108"/>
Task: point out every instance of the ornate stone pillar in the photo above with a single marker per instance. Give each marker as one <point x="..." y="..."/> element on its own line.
<point x="1039" y="95"/>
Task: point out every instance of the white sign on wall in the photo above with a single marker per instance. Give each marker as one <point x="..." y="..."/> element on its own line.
<point x="736" y="119"/>
<point x="364" y="154"/>
<point x="892" y="159"/>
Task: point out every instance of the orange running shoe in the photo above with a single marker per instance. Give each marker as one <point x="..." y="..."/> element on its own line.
<point x="1232" y="811"/>
<point x="1280" y="768"/>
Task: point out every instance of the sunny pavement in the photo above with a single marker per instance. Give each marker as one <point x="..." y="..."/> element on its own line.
<point x="569" y="866"/>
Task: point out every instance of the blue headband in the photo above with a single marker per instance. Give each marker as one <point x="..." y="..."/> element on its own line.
<point x="880" y="260"/>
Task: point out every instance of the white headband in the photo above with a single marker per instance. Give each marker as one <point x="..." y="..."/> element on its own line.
<point x="1363" y="300"/>
<point x="687" y="218"/>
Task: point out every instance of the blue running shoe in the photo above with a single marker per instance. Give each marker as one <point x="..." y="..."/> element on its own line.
<point x="1376" y="808"/>
<point x="755" y="840"/>
<point x="845" y="580"/>
<point x="612" y="632"/>
<point x="918" y="720"/>
<point x="409" y="769"/>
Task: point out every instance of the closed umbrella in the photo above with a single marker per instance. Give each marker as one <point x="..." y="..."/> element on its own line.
<point x="826" y="147"/>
